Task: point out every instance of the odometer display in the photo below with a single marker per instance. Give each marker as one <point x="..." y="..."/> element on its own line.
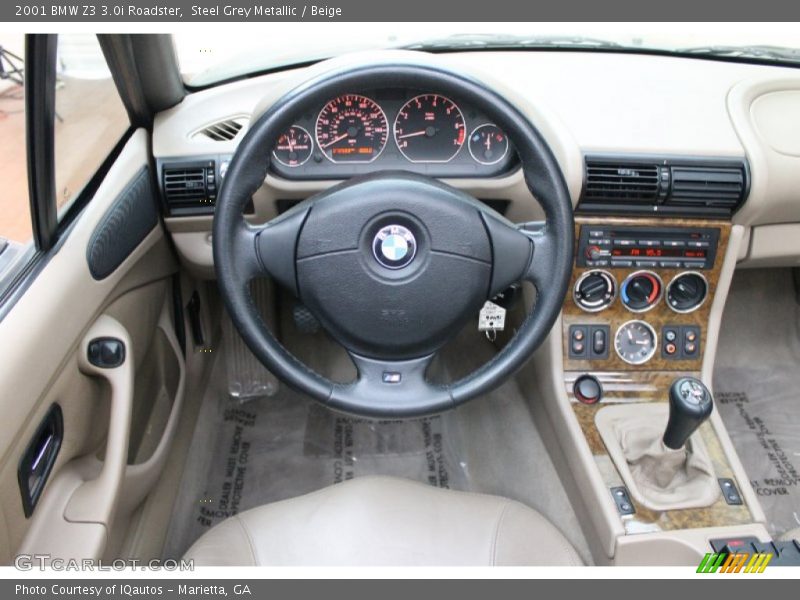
<point x="351" y="128"/>
<point x="429" y="128"/>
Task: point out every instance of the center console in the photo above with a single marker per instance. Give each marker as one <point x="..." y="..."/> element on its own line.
<point x="639" y="321"/>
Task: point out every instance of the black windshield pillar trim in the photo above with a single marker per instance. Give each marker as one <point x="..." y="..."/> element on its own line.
<point x="40" y="111"/>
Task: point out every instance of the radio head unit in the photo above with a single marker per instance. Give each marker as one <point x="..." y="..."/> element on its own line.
<point x="647" y="247"/>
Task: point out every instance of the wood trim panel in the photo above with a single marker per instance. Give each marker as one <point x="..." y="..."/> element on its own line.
<point x="649" y="382"/>
<point x="661" y="315"/>
<point x="641" y="387"/>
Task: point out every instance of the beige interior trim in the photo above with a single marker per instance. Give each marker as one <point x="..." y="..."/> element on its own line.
<point x="729" y="263"/>
<point x="774" y="246"/>
<point x="771" y="151"/>
<point x="49" y="533"/>
<point x="140" y="478"/>
<point x="735" y="241"/>
<point x="684" y="547"/>
<point x="60" y="306"/>
<point x="96" y="499"/>
<point x="41" y="314"/>
<point x="549" y="381"/>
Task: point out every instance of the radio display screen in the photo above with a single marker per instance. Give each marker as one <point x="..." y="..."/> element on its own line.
<point x="659" y="252"/>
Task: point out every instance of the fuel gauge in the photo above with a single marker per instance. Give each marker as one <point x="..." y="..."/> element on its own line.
<point x="294" y="147"/>
<point x="488" y="144"/>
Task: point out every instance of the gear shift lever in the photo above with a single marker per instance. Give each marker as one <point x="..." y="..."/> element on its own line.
<point x="690" y="404"/>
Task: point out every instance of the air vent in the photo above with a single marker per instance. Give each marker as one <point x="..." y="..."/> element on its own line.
<point x="189" y="188"/>
<point x="661" y="185"/>
<point x="621" y="183"/>
<point x="707" y="187"/>
<point x="222" y="131"/>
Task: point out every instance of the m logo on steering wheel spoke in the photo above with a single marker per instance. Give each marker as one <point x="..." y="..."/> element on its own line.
<point x="394" y="246"/>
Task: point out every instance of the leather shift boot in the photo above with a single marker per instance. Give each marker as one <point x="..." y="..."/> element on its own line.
<point x="657" y="477"/>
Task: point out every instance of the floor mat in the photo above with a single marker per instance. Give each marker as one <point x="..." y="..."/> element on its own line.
<point x="246" y="455"/>
<point x="757" y="385"/>
<point x="285" y="446"/>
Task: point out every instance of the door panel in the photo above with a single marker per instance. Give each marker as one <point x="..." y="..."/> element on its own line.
<point x="42" y="338"/>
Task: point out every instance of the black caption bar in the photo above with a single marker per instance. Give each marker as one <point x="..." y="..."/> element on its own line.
<point x="195" y="11"/>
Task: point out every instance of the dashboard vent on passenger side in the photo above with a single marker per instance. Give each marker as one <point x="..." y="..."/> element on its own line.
<point x="647" y="184"/>
<point x="189" y="188"/>
<point x="614" y="182"/>
<point x="223" y="131"/>
<point x="707" y="187"/>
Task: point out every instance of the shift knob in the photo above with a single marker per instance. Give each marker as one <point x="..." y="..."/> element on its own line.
<point x="690" y="404"/>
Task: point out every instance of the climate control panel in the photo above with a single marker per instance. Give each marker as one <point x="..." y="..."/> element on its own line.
<point x="641" y="293"/>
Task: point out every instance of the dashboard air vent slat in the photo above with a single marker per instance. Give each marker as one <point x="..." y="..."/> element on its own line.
<point x="663" y="185"/>
<point x="189" y="188"/>
<point x="700" y="186"/>
<point x="610" y="182"/>
<point x="223" y="131"/>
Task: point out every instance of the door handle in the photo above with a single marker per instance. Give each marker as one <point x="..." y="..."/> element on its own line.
<point x="39" y="458"/>
<point x="106" y="353"/>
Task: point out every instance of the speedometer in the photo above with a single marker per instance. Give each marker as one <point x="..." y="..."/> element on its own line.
<point x="352" y="128"/>
<point x="429" y="128"/>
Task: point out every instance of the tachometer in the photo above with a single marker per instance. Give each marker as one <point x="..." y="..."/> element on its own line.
<point x="294" y="147"/>
<point x="352" y="128"/>
<point x="429" y="128"/>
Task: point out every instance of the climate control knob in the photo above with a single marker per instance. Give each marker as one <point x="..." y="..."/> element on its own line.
<point x="595" y="290"/>
<point x="641" y="291"/>
<point x="687" y="292"/>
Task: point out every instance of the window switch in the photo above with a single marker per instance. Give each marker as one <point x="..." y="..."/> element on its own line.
<point x="578" y="341"/>
<point x="600" y="334"/>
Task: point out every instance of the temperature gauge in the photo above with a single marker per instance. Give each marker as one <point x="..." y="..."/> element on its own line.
<point x="294" y="147"/>
<point x="488" y="144"/>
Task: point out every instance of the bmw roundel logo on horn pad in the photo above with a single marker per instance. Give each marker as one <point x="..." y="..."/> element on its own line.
<point x="394" y="246"/>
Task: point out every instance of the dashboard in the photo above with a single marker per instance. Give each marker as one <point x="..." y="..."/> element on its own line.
<point x="392" y="129"/>
<point x="667" y="126"/>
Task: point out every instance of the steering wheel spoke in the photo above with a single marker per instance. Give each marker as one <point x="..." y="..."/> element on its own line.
<point x="275" y="244"/>
<point x="391" y="388"/>
<point x="542" y="270"/>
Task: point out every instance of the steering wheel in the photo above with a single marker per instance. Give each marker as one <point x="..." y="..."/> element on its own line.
<point x="393" y="265"/>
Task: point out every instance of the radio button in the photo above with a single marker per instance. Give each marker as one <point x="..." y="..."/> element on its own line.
<point x="649" y="242"/>
<point x="694" y="265"/>
<point x="646" y="263"/>
<point x="674" y="243"/>
<point x="670" y="264"/>
<point x="698" y="244"/>
<point x="621" y="263"/>
<point x="624" y="242"/>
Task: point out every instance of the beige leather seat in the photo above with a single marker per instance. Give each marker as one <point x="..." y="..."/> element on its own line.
<point x="386" y="521"/>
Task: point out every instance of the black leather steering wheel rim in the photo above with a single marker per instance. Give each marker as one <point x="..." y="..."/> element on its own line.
<point x="242" y="252"/>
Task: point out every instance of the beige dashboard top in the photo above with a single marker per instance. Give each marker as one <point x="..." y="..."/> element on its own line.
<point x="582" y="102"/>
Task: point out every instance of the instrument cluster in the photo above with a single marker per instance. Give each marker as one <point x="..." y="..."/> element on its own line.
<point x="360" y="133"/>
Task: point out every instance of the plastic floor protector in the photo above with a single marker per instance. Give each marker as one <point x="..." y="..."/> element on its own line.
<point x="757" y="388"/>
<point x="248" y="454"/>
